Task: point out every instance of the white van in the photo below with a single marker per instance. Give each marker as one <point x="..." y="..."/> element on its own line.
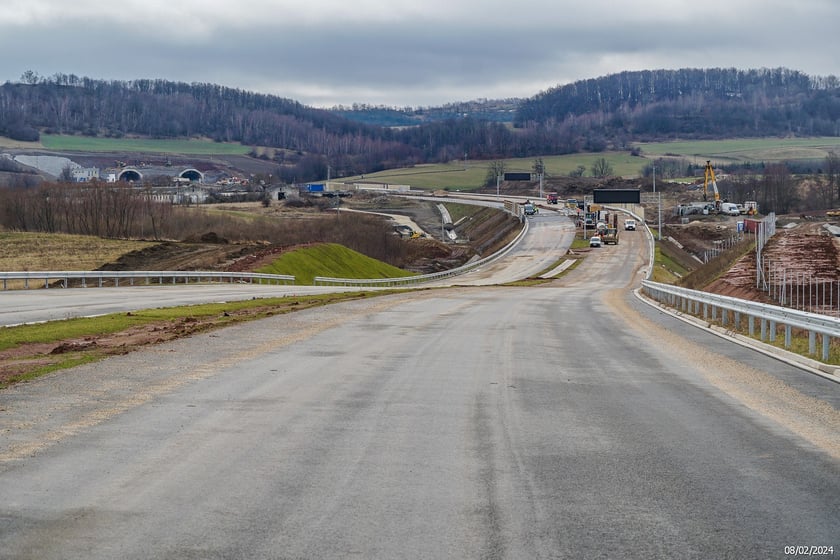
<point x="729" y="209"/>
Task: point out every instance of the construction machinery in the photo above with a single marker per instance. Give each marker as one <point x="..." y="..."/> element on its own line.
<point x="709" y="176"/>
<point x="610" y="236"/>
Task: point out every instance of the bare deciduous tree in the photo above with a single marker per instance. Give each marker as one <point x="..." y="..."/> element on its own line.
<point x="601" y="168"/>
<point x="495" y="169"/>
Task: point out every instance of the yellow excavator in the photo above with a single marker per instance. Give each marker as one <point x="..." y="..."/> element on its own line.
<point x="710" y="176"/>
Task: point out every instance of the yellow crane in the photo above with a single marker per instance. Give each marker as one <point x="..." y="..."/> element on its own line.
<point x="709" y="175"/>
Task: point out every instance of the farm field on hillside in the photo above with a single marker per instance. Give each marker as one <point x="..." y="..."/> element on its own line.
<point x="458" y="175"/>
<point x="90" y="144"/>
<point x="745" y="149"/>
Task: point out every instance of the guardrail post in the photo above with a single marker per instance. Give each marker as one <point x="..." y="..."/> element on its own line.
<point x="763" y="330"/>
<point x="737" y="320"/>
<point x="724" y="316"/>
<point x="826" y="343"/>
<point x="788" y="331"/>
<point x="46" y="282"/>
<point x="84" y="282"/>
<point x="751" y="322"/>
<point x="812" y="342"/>
<point x="772" y="331"/>
<point x="100" y="281"/>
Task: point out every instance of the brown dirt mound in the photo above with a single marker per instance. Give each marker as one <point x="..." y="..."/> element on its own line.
<point x="802" y="252"/>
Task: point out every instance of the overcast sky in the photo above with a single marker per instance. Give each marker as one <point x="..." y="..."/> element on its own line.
<point x="409" y="53"/>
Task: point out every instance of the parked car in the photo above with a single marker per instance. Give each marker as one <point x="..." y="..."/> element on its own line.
<point x="595" y="241"/>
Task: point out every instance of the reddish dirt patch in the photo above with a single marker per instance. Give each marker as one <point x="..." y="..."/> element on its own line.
<point x="27" y="358"/>
<point x="805" y="252"/>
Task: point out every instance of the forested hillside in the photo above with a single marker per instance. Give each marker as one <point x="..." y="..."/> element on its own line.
<point x="589" y="115"/>
<point x="712" y="103"/>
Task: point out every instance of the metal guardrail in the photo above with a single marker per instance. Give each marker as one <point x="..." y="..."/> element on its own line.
<point x="100" y="278"/>
<point x="714" y="308"/>
<point x="422" y="278"/>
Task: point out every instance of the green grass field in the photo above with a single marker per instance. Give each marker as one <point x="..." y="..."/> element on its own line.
<point x="471" y="175"/>
<point x="141" y="145"/>
<point x="746" y="149"/>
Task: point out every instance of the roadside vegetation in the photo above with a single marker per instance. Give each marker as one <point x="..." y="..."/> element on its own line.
<point x="29" y="351"/>
<point x="665" y="269"/>
<point x="331" y="260"/>
<point x="23" y="251"/>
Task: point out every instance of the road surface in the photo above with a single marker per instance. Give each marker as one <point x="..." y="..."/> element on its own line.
<point x="567" y="420"/>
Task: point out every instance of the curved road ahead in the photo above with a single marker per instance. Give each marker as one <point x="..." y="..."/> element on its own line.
<point x="567" y="420"/>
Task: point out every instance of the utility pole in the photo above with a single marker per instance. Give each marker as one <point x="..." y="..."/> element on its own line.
<point x="659" y="228"/>
<point x="660" y="217"/>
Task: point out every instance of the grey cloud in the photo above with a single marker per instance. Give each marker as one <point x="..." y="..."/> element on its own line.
<point x="399" y="63"/>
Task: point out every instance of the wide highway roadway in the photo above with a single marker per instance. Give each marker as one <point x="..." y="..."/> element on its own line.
<point x="568" y="420"/>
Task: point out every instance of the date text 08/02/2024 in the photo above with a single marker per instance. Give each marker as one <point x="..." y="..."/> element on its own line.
<point x="806" y="550"/>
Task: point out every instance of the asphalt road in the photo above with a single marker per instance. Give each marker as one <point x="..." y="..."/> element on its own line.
<point x="562" y="421"/>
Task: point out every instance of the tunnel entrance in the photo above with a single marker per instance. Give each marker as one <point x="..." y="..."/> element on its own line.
<point x="130" y="176"/>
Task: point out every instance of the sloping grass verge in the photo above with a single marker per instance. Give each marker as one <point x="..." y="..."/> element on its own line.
<point x="333" y="260"/>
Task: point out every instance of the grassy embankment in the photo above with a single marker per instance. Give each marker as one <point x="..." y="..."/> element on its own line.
<point x="332" y="260"/>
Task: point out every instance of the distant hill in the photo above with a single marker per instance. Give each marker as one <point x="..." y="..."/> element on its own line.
<point x="493" y="110"/>
<point x="691" y="103"/>
<point x="307" y="144"/>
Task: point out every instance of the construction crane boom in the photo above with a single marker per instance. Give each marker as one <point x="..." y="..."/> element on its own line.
<point x="709" y="176"/>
